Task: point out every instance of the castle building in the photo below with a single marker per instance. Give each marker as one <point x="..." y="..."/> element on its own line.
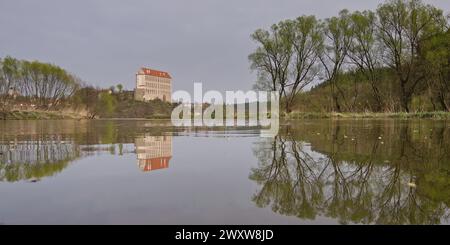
<point x="153" y="84"/>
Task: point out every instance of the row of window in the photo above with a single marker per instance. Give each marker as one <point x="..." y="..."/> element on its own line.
<point x="151" y="91"/>
<point x="155" y="85"/>
<point x="156" y="79"/>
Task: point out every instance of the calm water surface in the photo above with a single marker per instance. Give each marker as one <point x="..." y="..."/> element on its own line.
<point x="147" y="172"/>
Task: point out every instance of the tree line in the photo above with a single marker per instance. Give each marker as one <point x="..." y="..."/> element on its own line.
<point x="400" y="50"/>
<point x="37" y="85"/>
<point x="43" y="85"/>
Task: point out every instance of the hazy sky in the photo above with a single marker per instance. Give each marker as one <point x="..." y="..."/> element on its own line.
<point x="106" y="41"/>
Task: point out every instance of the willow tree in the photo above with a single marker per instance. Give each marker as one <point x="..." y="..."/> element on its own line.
<point x="364" y="50"/>
<point x="9" y="81"/>
<point x="287" y="55"/>
<point x="307" y="44"/>
<point x="46" y="84"/>
<point x="436" y="54"/>
<point x="272" y="57"/>
<point x="403" y="25"/>
<point x="337" y="42"/>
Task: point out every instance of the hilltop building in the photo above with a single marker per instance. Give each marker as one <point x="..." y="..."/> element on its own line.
<point x="152" y="84"/>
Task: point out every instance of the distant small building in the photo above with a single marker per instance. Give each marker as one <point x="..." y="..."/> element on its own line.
<point x="153" y="84"/>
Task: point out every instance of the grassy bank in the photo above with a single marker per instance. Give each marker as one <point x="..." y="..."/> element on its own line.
<point x="397" y="115"/>
<point x="45" y="115"/>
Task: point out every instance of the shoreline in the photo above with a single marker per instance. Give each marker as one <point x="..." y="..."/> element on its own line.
<point x="37" y="115"/>
<point x="440" y="115"/>
<point x="59" y="115"/>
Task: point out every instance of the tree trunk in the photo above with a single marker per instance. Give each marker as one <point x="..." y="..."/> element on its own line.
<point x="336" y="103"/>
<point x="378" y="99"/>
<point x="288" y="106"/>
<point x="405" y="103"/>
<point x="443" y="103"/>
<point x="334" y="95"/>
<point x="405" y="97"/>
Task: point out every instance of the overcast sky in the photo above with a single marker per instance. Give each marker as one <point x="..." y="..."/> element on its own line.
<point x="106" y="41"/>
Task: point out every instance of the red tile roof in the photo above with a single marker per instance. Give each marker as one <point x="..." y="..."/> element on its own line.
<point x="155" y="73"/>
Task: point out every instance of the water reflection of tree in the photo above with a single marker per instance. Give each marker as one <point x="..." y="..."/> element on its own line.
<point x="35" y="159"/>
<point x="348" y="179"/>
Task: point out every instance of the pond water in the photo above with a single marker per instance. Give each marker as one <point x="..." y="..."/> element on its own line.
<point x="148" y="172"/>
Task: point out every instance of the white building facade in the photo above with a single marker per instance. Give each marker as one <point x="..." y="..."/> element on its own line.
<point x="153" y="84"/>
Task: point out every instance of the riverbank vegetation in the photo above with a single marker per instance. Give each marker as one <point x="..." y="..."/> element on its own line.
<point x="37" y="90"/>
<point x="393" y="59"/>
<point x="116" y="103"/>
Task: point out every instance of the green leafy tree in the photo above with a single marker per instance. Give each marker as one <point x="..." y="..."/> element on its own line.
<point x="9" y="80"/>
<point x="436" y="54"/>
<point x="106" y="104"/>
<point x="364" y="50"/>
<point x="337" y="43"/>
<point x="271" y="59"/>
<point x="119" y="87"/>
<point x="307" y="44"/>
<point x="287" y="55"/>
<point x="403" y="25"/>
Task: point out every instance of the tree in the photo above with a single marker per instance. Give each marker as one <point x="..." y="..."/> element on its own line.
<point x="46" y="84"/>
<point x="272" y="57"/>
<point x="307" y="43"/>
<point x="287" y="56"/>
<point x="402" y="26"/>
<point x="364" y="50"/>
<point x="119" y="87"/>
<point x="9" y="80"/>
<point x="88" y="98"/>
<point x="436" y="54"/>
<point x="106" y="103"/>
<point x="337" y="43"/>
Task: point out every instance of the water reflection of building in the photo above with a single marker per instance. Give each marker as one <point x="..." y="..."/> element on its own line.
<point x="153" y="152"/>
